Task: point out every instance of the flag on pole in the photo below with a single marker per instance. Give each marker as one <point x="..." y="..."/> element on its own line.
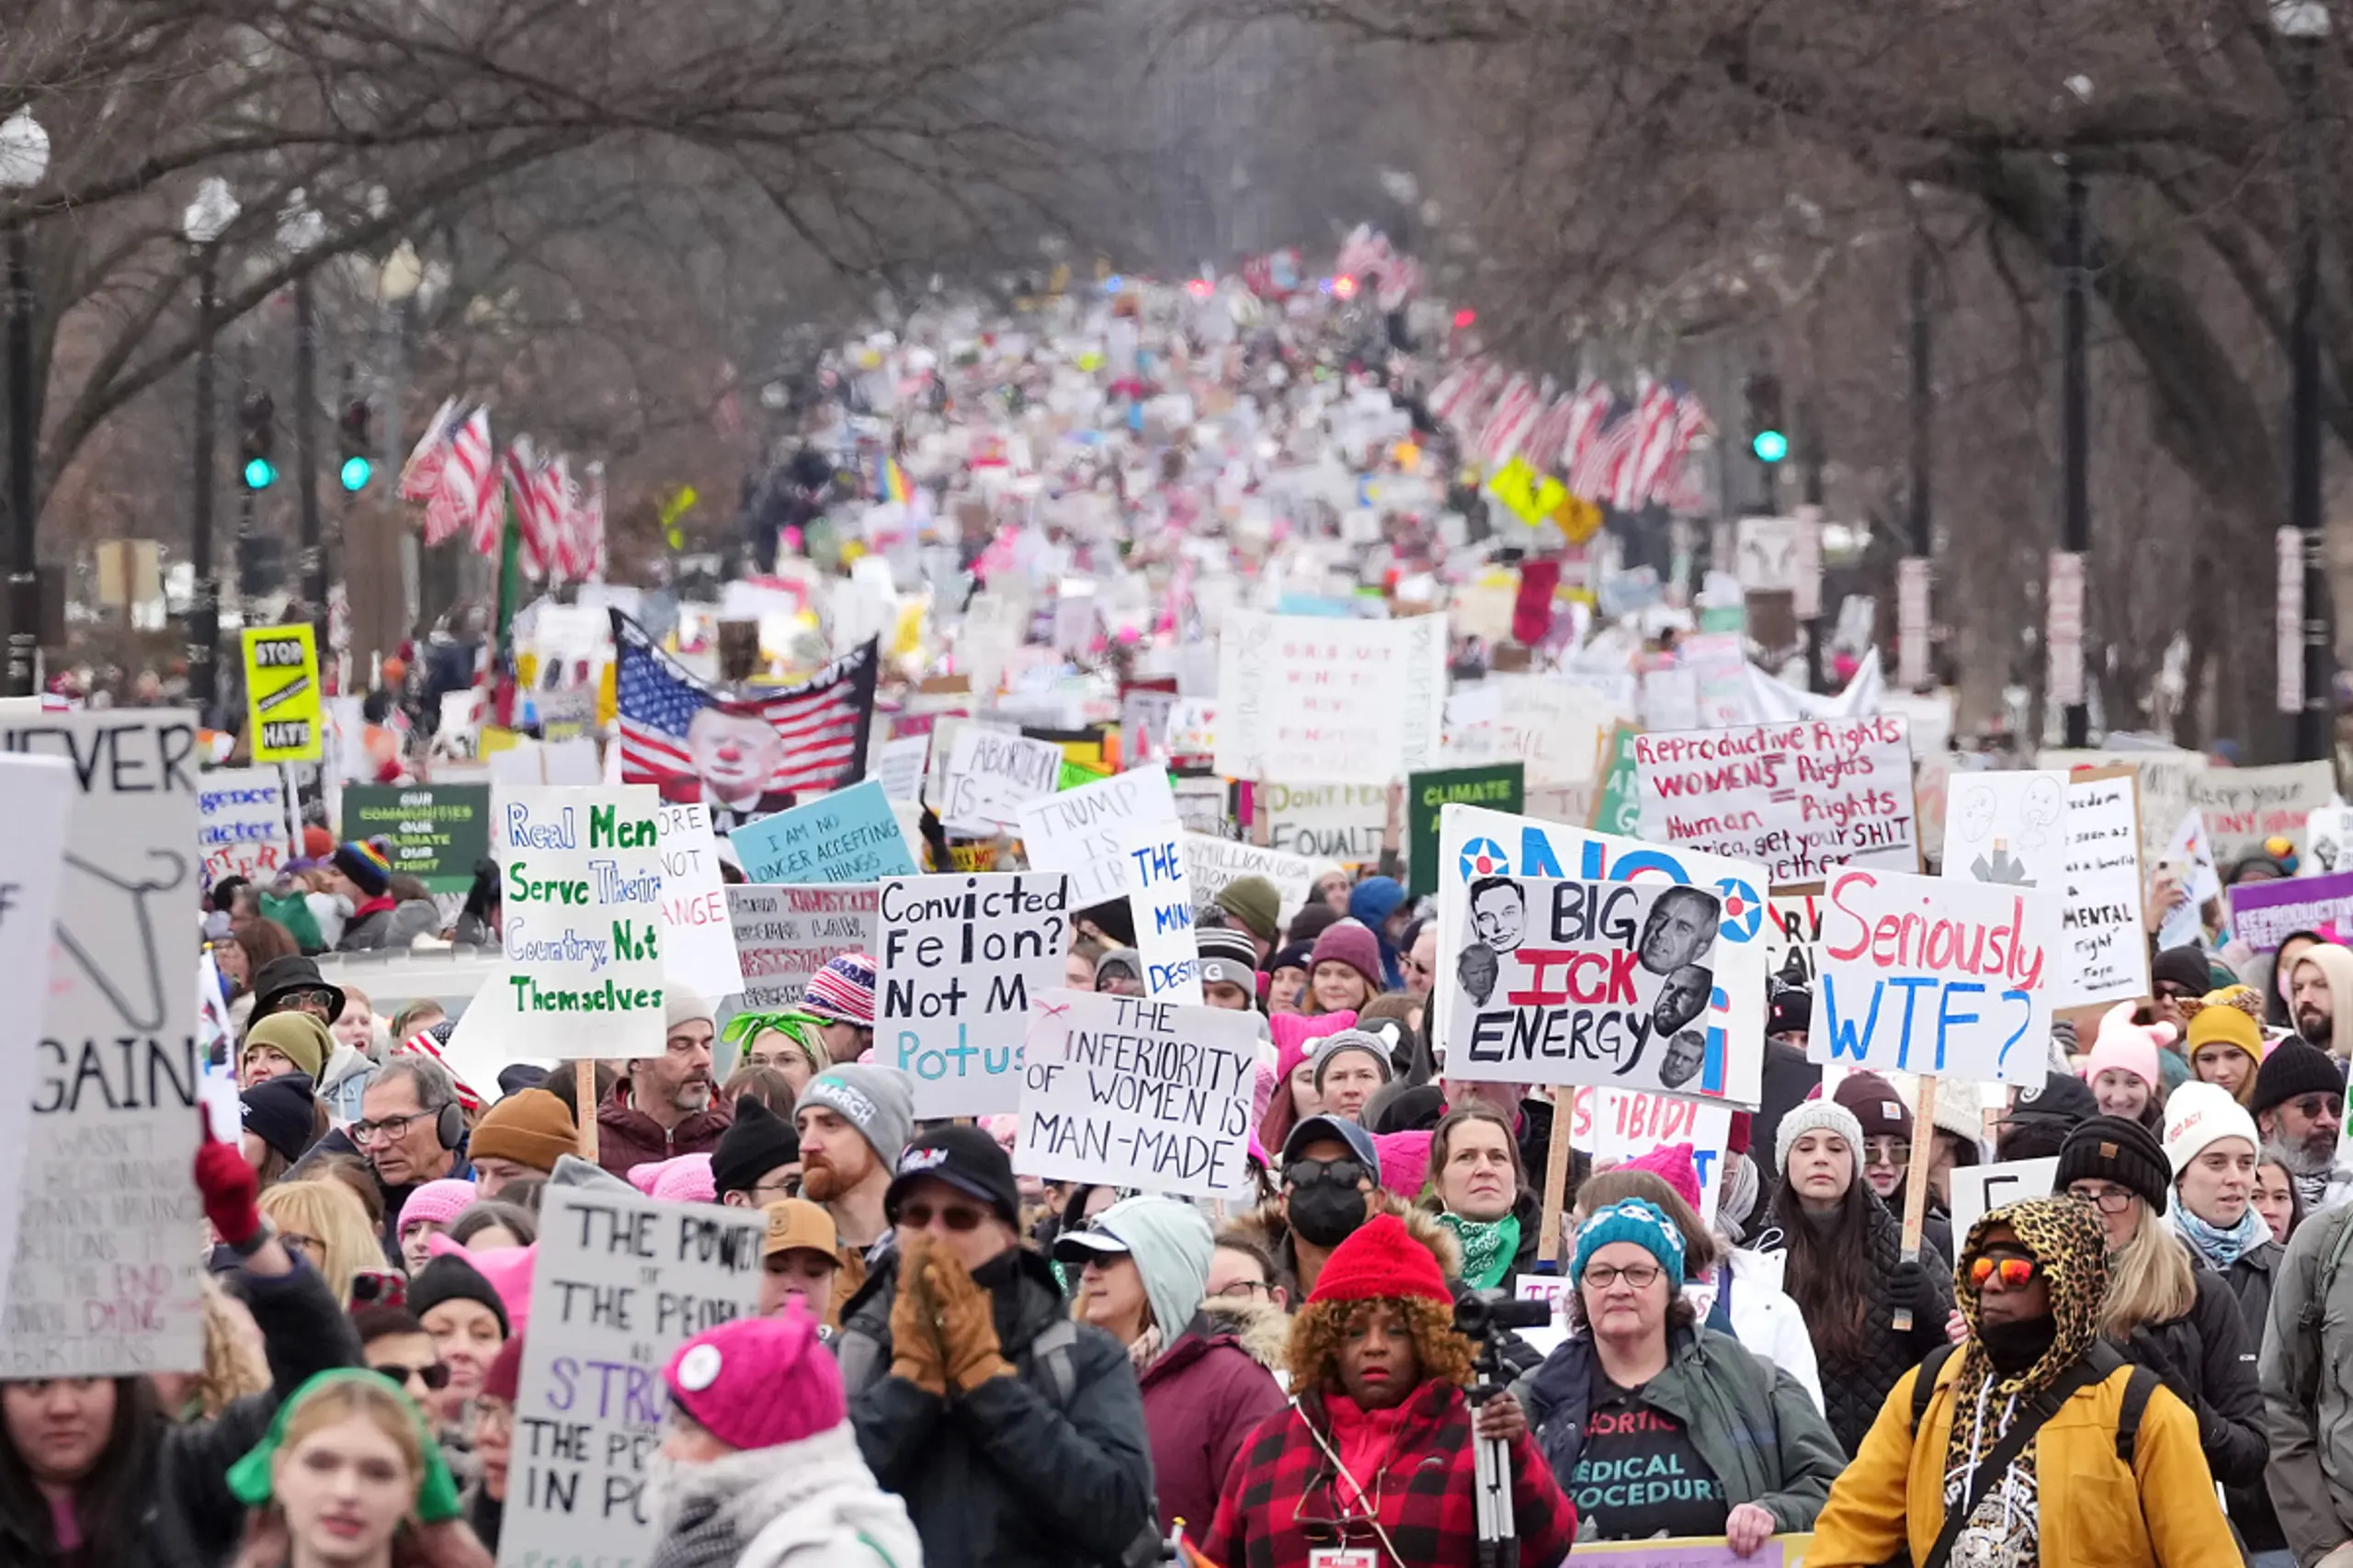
<point x="421" y="474"/>
<point x="467" y="500"/>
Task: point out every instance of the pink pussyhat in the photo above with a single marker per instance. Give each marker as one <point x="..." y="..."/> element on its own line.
<point x="1294" y="1032"/>
<point x="1672" y="1163"/>
<point x="757" y="1383"/>
<point x="685" y="1178"/>
<point x="508" y="1269"/>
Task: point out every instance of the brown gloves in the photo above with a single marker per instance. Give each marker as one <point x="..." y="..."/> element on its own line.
<point x="966" y="1316"/>
<point x="915" y="1352"/>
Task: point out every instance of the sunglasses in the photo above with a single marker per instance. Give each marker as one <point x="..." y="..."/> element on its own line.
<point x="1886" y="1152"/>
<point x="2315" y="1105"/>
<point x="2014" y="1273"/>
<point x="1340" y="1173"/>
<point x="958" y="1217"/>
<point x="435" y="1377"/>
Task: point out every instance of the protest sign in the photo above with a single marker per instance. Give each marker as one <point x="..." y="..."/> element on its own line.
<point x="1341" y="823"/>
<point x="619" y="1283"/>
<point x="565" y="715"/>
<point x="1213" y="863"/>
<point x="1799" y="797"/>
<point x="2008" y="827"/>
<point x="1618" y="804"/>
<point x="37" y="795"/>
<point x="1696" y="1551"/>
<point x="2188" y="857"/>
<point x="2105" y="956"/>
<point x="1474" y="843"/>
<point x="2265" y="913"/>
<point x="436" y="833"/>
<point x="581" y="874"/>
<point x="1143" y="723"/>
<point x="958" y="960"/>
<point x="1201" y="805"/>
<point x="1137" y="1092"/>
<point x="282" y="714"/>
<point x="240" y="824"/>
<point x="850" y="835"/>
<point x="2244" y="806"/>
<point x="2328" y="833"/>
<point x="1553" y="726"/>
<point x="697" y="939"/>
<point x="784" y="934"/>
<point x="107" y="1281"/>
<point x="1497" y="787"/>
<point x="1329" y="701"/>
<point x="1079" y="832"/>
<point x="1160" y="898"/>
<point x="1978" y="1188"/>
<point x="1934" y="974"/>
<point x="901" y="766"/>
<point x="992" y="773"/>
<point x="1571" y="981"/>
<point x="1618" y="1124"/>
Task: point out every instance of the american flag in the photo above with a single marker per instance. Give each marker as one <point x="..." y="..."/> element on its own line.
<point x="468" y="499"/>
<point x="1646" y="467"/>
<point x="1588" y="411"/>
<point x="421" y="475"/>
<point x="823" y="721"/>
<point x="588" y="527"/>
<point x="1595" y="476"/>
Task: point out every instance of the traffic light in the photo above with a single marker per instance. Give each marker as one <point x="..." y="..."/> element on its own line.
<point x="257" y="427"/>
<point x="1766" y="436"/>
<point x="357" y="469"/>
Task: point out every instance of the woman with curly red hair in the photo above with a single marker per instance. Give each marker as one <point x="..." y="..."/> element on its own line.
<point x="1375" y="1452"/>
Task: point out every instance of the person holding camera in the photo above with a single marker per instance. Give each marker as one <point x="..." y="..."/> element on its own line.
<point x="1656" y="1426"/>
<point x="1375" y="1454"/>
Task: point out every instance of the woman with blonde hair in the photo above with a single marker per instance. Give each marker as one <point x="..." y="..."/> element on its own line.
<point x="323" y="1224"/>
<point x="235" y="1364"/>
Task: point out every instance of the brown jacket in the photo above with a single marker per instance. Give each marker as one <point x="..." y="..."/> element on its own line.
<point x="626" y="1136"/>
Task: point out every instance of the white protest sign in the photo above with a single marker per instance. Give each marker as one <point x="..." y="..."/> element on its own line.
<point x="1553" y="727"/>
<point x="1213" y="863"/>
<point x="1137" y="1092"/>
<point x="1160" y="897"/>
<point x="1079" y="832"/>
<point x="1143" y="723"/>
<point x="2190" y="855"/>
<point x="2104" y="957"/>
<point x="36" y="797"/>
<point x="958" y="960"/>
<point x="108" y="1271"/>
<point x="1330" y="701"/>
<point x="2006" y="827"/>
<point x="1342" y="823"/>
<point x="1670" y="698"/>
<point x="899" y="766"/>
<point x="1934" y="974"/>
<point x="2244" y="806"/>
<point x="240" y="824"/>
<point x="1571" y="981"/>
<point x="581" y="875"/>
<point x="1475" y="843"/>
<point x="1781" y="555"/>
<point x="1616" y="1125"/>
<point x="1977" y="1190"/>
<point x="1799" y="797"/>
<point x="2329" y="842"/>
<point x="784" y="934"/>
<point x="992" y="773"/>
<point x="698" y="941"/>
<point x="620" y="1282"/>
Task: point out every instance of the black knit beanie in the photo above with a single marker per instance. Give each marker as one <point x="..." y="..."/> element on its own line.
<point x="2292" y="1069"/>
<point x="754" y="1143"/>
<point x="2110" y="1148"/>
<point x="449" y="1278"/>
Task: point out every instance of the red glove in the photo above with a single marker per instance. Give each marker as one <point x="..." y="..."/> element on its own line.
<point x="230" y="1189"/>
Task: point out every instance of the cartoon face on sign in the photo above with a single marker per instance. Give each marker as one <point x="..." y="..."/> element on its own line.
<point x="1680" y="926"/>
<point x="1498" y="913"/>
<point x="1975" y="815"/>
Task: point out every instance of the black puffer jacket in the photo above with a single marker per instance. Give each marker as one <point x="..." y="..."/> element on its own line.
<point x="1853" y="1389"/>
<point x="2206" y="1356"/>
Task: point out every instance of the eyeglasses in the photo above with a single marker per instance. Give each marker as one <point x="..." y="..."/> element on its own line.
<point x="785" y="1185"/>
<point x="435" y="1377"/>
<point x="2313" y="1106"/>
<point x="1886" y="1152"/>
<point x="958" y="1217"/>
<point x="1602" y="1275"/>
<point x="494" y="1416"/>
<point x="366" y="1132"/>
<point x="2106" y="1199"/>
<point x="2167" y="990"/>
<point x="1339" y="1172"/>
<point x="309" y="1246"/>
<point x="1243" y="1289"/>
<point x="2014" y="1273"/>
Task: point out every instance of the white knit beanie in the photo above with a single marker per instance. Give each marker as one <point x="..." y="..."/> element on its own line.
<point x="1816" y="1115"/>
<point x="2196" y="1115"/>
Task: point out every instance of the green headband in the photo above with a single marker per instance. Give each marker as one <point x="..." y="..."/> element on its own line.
<point x="791" y="1023"/>
<point x="436" y="1493"/>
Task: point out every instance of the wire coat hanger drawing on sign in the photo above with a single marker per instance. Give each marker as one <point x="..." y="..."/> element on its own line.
<point x="138" y="891"/>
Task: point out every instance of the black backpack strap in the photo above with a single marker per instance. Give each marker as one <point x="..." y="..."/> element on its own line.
<point x="2137" y="1389"/>
<point x="2087" y="1370"/>
<point x="1923" y="1385"/>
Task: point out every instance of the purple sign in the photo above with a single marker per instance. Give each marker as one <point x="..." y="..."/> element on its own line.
<point x="2264" y="913"/>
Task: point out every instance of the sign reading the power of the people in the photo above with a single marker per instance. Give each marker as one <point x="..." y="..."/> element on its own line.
<point x="959" y="960"/>
<point x="282" y="694"/>
<point x="1801" y="798"/>
<point x="581" y="875"/>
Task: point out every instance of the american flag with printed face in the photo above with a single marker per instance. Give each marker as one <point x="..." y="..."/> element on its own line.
<point x="750" y="756"/>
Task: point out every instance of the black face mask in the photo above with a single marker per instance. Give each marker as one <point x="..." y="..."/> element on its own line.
<point x="2012" y="1347"/>
<point x="1326" y="1213"/>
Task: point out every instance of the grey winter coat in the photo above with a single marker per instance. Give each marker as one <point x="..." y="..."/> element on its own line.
<point x="2307" y="1371"/>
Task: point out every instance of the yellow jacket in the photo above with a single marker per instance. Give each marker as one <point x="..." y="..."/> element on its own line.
<point x="2092" y="1515"/>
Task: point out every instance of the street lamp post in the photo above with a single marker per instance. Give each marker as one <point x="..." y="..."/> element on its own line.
<point x="2305" y="24"/>
<point x="2074" y="415"/>
<point x="299" y="231"/>
<point x="24" y="159"/>
<point x="207" y="219"/>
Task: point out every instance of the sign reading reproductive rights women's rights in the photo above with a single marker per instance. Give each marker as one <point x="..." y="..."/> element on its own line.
<point x="580" y="872"/>
<point x="1079" y="832"/>
<point x="1935" y="974"/>
<point x="784" y="934"/>
<point x="850" y="835"/>
<point x="697" y="940"/>
<point x="958" y="958"/>
<point x="620" y="1282"/>
<point x="1136" y="1093"/>
<point x="1800" y="797"/>
<point x="240" y="824"/>
<point x="1570" y="982"/>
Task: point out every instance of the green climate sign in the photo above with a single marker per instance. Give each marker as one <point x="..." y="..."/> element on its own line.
<point x="437" y="833"/>
<point x="1500" y="787"/>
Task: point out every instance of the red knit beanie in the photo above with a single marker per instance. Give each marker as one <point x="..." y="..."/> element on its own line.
<point x="1382" y="1262"/>
<point x="1350" y="942"/>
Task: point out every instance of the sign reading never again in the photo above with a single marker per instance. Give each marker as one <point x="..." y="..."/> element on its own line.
<point x="282" y="707"/>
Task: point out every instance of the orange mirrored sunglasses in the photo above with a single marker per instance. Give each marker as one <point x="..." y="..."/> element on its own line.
<point x="2013" y="1272"/>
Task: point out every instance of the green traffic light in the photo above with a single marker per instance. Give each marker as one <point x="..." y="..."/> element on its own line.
<point x="1770" y="446"/>
<point x="356" y="472"/>
<point x="261" y="473"/>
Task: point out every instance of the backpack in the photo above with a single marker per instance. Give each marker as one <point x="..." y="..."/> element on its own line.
<point x="2103" y="1356"/>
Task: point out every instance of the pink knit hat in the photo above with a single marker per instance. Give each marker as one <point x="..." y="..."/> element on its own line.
<point x="684" y="1178"/>
<point x="757" y="1383"/>
<point x="508" y="1269"/>
<point x="1350" y="942"/>
<point x="1295" y="1032"/>
<point x="1405" y="1161"/>
<point x="2128" y="1046"/>
<point x="1671" y="1163"/>
<point x="438" y="1202"/>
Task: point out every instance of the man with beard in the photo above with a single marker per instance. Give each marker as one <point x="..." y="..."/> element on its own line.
<point x="2299" y="1103"/>
<point x="1679" y="928"/>
<point x="662" y="1106"/>
<point x="2322" y="974"/>
<point x="853" y="1123"/>
<point x="1682" y="998"/>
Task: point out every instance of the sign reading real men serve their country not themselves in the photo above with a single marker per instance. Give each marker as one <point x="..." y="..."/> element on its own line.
<point x="958" y="958"/>
<point x="1800" y="798"/>
<point x="282" y="694"/>
<point x="581" y="874"/>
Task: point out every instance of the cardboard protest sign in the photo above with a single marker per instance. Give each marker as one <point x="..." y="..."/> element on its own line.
<point x="1497" y="786"/>
<point x="1935" y="974"/>
<point x="1571" y="981"/>
<point x="1160" y="898"/>
<point x="850" y="835"/>
<point x="2008" y="827"/>
<point x="697" y="939"/>
<point x="1792" y="926"/>
<point x="1080" y="832"/>
<point x="2263" y="915"/>
<point x="620" y="1282"/>
<point x="2104" y="957"/>
<point x="992" y="773"/>
<point x="1341" y="823"/>
<point x="1977" y="1189"/>
<point x="1618" y="804"/>
<point x="1329" y="701"/>
<point x="242" y="824"/>
<point x="2244" y="806"/>
<point x="2328" y="833"/>
<point x="282" y="714"/>
<point x="435" y="833"/>
<point x="1800" y="797"/>
<point x="958" y="960"/>
<point x="784" y="934"/>
<point x="37" y="794"/>
<point x="1553" y="726"/>
<point x="1213" y="863"/>
<point x="1474" y="843"/>
<point x="1137" y="1092"/>
<point x="1619" y="1124"/>
<point x="106" y="1280"/>
<point x="581" y="875"/>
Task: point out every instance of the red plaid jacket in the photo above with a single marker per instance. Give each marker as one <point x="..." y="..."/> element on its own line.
<point x="1279" y="1503"/>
